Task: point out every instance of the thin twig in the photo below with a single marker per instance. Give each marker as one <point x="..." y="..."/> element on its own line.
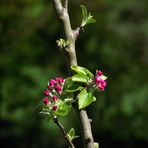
<point x="57" y="122"/>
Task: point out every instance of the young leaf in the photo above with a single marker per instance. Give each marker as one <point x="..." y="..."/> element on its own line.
<point x="96" y="144"/>
<point x="79" y="78"/>
<point x="64" y="108"/>
<point x="85" y="99"/>
<point x="71" y="134"/>
<point x="68" y="82"/>
<point x="71" y="86"/>
<point x="74" y="87"/>
<point x="76" y="137"/>
<point x="82" y="70"/>
<point x="90" y="19"/>
<point x="62" y="43"/>
<point x="84" y="14"/>
<point x="87" y="18"/>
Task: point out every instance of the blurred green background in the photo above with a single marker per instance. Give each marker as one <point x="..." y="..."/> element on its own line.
<point x="117" y="44"/>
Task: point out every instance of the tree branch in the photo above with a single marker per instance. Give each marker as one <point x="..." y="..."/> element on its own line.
<point x="58" y="6"/>
<point x="71" y="36"/>
<point x="86" y="127"/>
<point x="66" y="4"/>
<point x="63" y="15"/>
<point x="56" y="121"/>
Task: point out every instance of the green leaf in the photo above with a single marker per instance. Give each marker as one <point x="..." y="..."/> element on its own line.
<point x="85" y="99"/>
<point x="76" y="137"/>
<point x="96" y="144"/>
<point x="79" y="78"/>
<point x="71" y="86"/>
<point x="74" y="87"/>
<point x="62" y="43"/>
<point x="46" y="111"/>
<point x="67" y="94"/>
<point x="84" y="13"/>
<point x="82" y="70"/>
<point x="67" y="43"/>
<point x="64" y="108"/>
<point x="87" y="18"/>
<point x="90" y="19"/>
<point x="67" y="83"/>
<point x="71" y="134"/>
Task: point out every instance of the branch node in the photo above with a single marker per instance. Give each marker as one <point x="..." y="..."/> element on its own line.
<point x="90" y="120"/>
<point x="76" y="32"/>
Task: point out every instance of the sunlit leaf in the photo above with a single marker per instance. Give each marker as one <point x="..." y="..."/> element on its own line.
<point x="87" y="18"/>
<point x="79" y="78"/>
<point x="85" y="99"/>
<point x="64" y="108"/>
<point x="82" y="70"/>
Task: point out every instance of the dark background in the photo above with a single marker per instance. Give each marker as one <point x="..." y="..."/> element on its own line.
<point x="117" y="44"/>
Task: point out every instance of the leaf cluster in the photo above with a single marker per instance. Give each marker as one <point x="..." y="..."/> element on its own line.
<point x="80" y="82"/>
<point x="87" y="18"/>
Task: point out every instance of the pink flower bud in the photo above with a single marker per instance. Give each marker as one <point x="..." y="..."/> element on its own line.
<point x="47" y="93"/>
<point x="46" y="101"/>
<point x="49" y="87"/>
<point x="101" y="87"/>
<point x="54" y="108"/>
<point x="99" y="73"/>
<point x="60" y="80"/>
<point x="58" y="88"/>
<point x="55" y="98"/>
<point x="52" y="82"/>
<point x="103" y="83"/>
<point x="97" y="80"/>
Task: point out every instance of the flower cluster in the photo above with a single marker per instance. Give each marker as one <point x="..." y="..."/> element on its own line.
<point x="100" y="80"/>
<point x="59" y="92"/>
<point x="53" y="92"/>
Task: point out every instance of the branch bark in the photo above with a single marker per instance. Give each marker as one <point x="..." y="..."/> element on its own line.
<point x="71" y="36"/>
<point x="56" y="121"/>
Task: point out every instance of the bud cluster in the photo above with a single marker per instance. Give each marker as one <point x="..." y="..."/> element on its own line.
<point x="100" y="80"/>
<point x="53" y="92"/>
